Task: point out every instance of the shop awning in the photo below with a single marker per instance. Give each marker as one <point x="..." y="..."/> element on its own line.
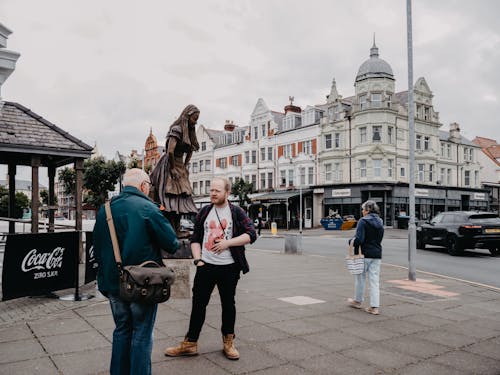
<point x="279" y="196"/>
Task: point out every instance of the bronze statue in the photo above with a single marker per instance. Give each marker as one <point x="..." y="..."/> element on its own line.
<point x="170" y="177"/>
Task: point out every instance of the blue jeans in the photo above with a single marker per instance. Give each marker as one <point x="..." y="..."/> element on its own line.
<point x="372" y="269"/>
<point x="132" y="337"/>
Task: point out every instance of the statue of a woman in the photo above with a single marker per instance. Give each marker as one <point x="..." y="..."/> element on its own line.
<point x="170" y="177"/>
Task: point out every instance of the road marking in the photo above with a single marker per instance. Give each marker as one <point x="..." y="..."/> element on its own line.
<point x="448" y="277"/>
<point x="301" y="300"/>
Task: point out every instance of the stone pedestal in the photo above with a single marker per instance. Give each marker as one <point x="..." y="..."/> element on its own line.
<point x="182" y="285"/>
<point x="182" y="264"/>
<point x="293" y="244"/>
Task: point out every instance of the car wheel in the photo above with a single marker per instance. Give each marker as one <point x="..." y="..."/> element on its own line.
<point x="495" y="251"/>
<point x="420" y="243"/>
<point x="453" y="247"/>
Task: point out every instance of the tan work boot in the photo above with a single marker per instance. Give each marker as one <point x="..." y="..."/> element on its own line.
<point x="185" y="348"/>
<point x="229" y="350"/>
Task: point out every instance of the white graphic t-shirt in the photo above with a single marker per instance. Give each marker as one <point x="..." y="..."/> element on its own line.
<point x="215" y="229"/>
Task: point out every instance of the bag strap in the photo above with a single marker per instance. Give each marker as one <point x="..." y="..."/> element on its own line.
<point x="112" y="232"/>
<point x="351" y="250"/>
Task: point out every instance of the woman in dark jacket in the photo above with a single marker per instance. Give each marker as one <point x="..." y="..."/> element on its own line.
<point x="369" y="234"/>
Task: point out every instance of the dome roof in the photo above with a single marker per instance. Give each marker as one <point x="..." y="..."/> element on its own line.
<point x="374" y="67"/>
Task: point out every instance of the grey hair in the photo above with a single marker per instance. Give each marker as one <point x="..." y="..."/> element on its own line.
<point x="370" y="206"/>
<point x="135" y="177"/>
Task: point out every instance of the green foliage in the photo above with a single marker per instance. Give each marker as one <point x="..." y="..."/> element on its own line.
<point x="21" y="202"/>
<point x="67" y="179"/>
<point x="44" y="195"/>
<point x="99" y="177"/>
<point x="241" y="189"/>
<point x="133" y="163"/>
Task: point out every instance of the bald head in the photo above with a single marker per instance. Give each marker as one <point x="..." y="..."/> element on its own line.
<point x="135" y="177"/>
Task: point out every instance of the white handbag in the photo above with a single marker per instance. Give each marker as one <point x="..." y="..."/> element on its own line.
<point x="355" y="263"/>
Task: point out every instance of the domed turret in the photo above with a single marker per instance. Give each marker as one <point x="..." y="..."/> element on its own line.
<point x="374" y="67"/>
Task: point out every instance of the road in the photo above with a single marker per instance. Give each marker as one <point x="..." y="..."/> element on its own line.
<point x="475" y="265"/>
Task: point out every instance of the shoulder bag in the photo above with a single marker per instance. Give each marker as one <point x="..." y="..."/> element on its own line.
<point x="146" y="283"/>
<point x="355" y="263"/>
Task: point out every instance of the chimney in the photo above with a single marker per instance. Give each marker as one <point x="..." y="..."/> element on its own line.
<point x="229" y="126"/>
<point x="7" y="58"/>
<point x="455" y="132"/>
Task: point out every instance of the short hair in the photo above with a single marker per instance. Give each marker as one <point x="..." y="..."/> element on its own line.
<point x="370" y="206"/>
<point x="226" y="182"/>
<point x="135" y="177"/>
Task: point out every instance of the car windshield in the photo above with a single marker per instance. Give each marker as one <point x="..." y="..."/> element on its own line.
<point x="485" y="218"/>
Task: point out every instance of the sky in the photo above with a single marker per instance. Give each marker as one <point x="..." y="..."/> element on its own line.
<point x="108" y="71"/>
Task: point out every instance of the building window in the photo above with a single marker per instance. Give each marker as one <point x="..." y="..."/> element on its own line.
<point x="376" y="100"/>
<point x="328" y="141"/>
<point x="195" y="188"/>
<point x="467" y="178"/>
<point x="195" y="167"/>
<point x="290" y="177"/>
<point x="421" y="172"/>
<point x="207" y="187"/>
<point x="201" y="187"/>
<point x="442" y="149"/>
<point x="442" y="173"/>
<point x="427" y="112"/>
<point x="376" y="133"/>
<point x="223" y="163"/>
<point x="287" y="151"/>
<point x="377" y="167"/>
<point x="390" y="135"/>
<point x="262" y="180"/>
<point x="448" y="176"/>
<point x="337" y="172"/>
<point x="263" y="130"/>
<point x="283" y="178"/>
<point x="448" y="151"/>
<point x="234" y="160"/>
<point x="310" y="175"/>
<point x="337" y="140"/>
<point x="426" y="143"/>
<point x="201" y="165"/>
<point x="418" y="142"/>
<point x="389" y="101"/>
<point x="247" y="178"/>
<point x="476" y="178"/>
<point x="247" y="157"/>
<point x="402" y="172"/>
<point x="307" y="147"/>
<point x="203" y="146"/>
<point x="302" y="172"/>
<point x="431" y="172"/>
<point x="328" y="172"/>
<point x="362" y="168"/>
<point x="390" y="167"/>
<point x="269" y="153"/>
<point x="256" y="132"/>
<point x="254" y="156"/>
<point x="207" y="165"/>
<point x="262" y="153"/>
<point x="362" y="102"/>
<point x="362" y="135"/>
<point x="254" y="181"/>
<point x="270" y="180"/>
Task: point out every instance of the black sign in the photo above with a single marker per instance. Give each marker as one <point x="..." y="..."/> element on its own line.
<point x="35" y="264"/>
<point x="90" y="261"/>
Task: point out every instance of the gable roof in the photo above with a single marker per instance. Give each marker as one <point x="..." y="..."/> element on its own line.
<point x="23" y="132"/>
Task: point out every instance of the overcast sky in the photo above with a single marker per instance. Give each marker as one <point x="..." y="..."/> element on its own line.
<point x="107" y="71"/>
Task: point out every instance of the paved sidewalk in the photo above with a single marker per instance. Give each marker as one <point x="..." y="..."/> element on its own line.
<point x="436" y="326"/>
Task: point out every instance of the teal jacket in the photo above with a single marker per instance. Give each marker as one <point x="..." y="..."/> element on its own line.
<point x="141" y="230"/>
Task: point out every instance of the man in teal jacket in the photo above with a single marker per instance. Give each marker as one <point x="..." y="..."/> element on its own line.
<point x="141" y="230"/>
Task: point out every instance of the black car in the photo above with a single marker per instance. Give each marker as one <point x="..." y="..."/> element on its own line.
<point x="460" y="230"/>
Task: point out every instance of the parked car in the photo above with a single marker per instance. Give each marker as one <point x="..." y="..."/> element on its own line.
<point x="460" y="230"/>
<point x="187" y="224"/>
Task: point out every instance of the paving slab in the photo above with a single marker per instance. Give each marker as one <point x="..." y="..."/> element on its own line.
<point x="20" y="350"/>
<point x="39" y="366"/>
<point x="469" y="362"/>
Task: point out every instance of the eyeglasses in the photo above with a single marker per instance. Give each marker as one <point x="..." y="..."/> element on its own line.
<point x="147" y="182"/>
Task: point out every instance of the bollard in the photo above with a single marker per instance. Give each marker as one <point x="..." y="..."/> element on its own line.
<point x="274" y="228"/>
<point x="293" y="244"/>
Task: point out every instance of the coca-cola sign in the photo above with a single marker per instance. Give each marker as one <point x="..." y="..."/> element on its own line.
<point x="90" y="260"/>
<point x="35" y="264"/>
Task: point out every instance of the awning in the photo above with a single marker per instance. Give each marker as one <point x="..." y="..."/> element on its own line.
<point x="279" y="196"/>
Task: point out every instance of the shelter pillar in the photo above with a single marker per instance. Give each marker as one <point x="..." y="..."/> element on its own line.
<point x="51" y="208"/>
<point x="12" y="196"/>
<point x="78" y="203"/>
<point x="35" y="193"/>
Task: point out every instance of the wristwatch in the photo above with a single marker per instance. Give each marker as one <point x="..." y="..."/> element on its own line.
<point x="196" y="261"/>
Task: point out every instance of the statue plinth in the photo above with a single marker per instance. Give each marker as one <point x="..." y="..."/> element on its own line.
<point x="182" y="265"/>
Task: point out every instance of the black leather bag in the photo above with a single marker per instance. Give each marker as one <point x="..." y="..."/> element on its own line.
<point x="146" y="283"/>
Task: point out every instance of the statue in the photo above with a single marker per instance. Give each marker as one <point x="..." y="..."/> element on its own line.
<point x="170" y="177"/>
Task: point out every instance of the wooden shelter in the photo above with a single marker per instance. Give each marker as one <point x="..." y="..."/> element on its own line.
<point x="28" y="139"/>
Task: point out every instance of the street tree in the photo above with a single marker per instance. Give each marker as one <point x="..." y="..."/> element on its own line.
<point x="44" y="195"/>
<point x="241" y="189"/>
<point x="21" y="202"/>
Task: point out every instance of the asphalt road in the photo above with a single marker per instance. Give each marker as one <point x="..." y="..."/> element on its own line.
<point x="475" y="265"/>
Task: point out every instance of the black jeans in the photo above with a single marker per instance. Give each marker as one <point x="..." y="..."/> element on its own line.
<point x="207" y="277"/>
